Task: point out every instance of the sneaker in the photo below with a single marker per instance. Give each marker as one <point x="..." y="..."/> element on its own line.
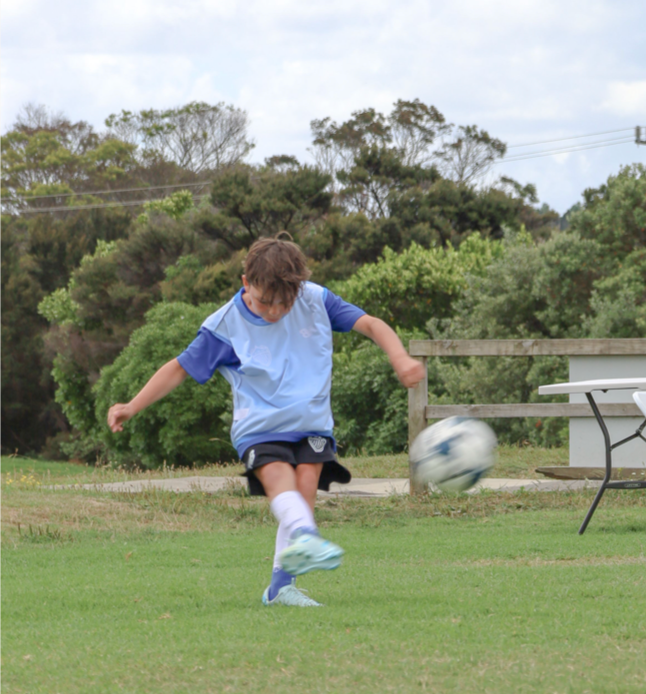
<point x="308" y="552"/>
<point x="291" y="596"/>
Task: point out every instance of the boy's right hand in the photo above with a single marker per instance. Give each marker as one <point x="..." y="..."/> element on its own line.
<point x="117" y="415"/>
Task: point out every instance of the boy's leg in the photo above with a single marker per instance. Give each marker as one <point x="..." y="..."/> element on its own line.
<point x="307" y="481"/>
<point x="292" y="513"/>
<point x="307" y="550"/>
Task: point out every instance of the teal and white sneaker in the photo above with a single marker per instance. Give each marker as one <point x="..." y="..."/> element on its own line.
<point x="291" y="596"/>
<point x="308" y="552"/>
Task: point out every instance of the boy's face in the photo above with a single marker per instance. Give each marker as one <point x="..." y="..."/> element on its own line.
<point x="269" y="309"/>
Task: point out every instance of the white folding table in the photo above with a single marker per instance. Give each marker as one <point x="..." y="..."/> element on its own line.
<point x="604" y="385"/>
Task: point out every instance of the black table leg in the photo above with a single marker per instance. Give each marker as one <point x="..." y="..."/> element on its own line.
<point x="606" y="479"/>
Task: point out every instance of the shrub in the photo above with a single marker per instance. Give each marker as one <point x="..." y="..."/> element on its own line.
<point x="190" y="426"/>
<point x="409" y="288"/>
<point x="370" y="405"/>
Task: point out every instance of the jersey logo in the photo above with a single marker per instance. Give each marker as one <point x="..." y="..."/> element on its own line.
<point x="307" y="332"/>
<point x="261" y="355"/>
<point x="250" y="458"/>
<point x="317" y="443"/>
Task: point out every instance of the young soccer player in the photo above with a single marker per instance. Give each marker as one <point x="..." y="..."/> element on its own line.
<point x="273" y="344"/>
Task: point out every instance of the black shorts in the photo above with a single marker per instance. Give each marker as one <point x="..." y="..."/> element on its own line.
<point x="312" y="449"/>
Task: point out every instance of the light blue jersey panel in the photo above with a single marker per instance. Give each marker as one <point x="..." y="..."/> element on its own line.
<point x="281" y="388"/>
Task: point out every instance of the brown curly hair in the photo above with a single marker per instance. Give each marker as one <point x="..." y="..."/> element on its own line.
<point x="277" y="267"/>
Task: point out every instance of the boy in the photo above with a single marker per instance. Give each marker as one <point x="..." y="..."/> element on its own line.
<point x="273" y="344"/>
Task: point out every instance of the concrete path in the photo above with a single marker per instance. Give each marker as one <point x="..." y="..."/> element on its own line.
<point x="359" y="487"/>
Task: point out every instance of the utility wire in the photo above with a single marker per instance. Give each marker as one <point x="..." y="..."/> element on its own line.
<point x="73" y="208"/>
<point x="622" y="138"/>
<point x="574" y="137"/>
<point x="118" y="190"/>
<point x="562" y="151"/>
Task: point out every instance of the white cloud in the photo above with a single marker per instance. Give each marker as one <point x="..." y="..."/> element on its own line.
<point x="627" y="99"/>
<point x="525" y="70"/>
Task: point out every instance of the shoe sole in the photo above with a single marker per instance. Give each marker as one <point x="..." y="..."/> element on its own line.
<point x="298" y="560"/>
<point x="275" y="603"/>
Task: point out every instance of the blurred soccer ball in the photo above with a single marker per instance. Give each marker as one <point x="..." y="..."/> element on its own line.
<point x="453" y="454"/>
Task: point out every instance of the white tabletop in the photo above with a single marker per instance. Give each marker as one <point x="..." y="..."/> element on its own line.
<point x="589" y="386"/>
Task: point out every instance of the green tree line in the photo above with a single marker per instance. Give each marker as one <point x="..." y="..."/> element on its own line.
<point x="392" y="214"/>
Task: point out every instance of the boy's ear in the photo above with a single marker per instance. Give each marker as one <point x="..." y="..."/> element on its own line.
<point x="245" y="283"/>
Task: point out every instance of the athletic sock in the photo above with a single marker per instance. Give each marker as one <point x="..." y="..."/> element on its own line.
<point x="293" y="512"/>
<point x="294" y="517"/>
<point x="279" y="579"/>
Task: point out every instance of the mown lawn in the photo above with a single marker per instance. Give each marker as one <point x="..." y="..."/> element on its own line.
<point x="160" y="592"/>
<point x="512" y="461"/>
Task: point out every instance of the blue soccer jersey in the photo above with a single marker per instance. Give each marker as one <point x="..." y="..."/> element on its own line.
<point x="280" y="373"/>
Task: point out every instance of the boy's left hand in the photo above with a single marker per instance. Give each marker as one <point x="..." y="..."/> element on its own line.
<point x="409" y="371"/>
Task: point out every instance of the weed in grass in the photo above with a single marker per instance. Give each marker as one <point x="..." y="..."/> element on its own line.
<point x="41" y="535"/>
<point x="21" y="479"/>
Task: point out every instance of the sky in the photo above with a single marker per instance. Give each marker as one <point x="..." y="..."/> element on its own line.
<point x="526" y="71"/>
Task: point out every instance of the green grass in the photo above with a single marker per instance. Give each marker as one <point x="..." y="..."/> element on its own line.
<point x="160" y="592"/>
<point x="512" y="461"/>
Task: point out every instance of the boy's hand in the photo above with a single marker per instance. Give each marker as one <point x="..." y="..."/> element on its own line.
<point x="117" y="415"/>
<point x="409" y="371"/>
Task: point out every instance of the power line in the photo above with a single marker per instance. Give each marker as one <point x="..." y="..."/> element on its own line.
<point x="622" y="138"/>
<point x="574" y="137"/>
<point x="119" y="190"/>
<point x="617" y="140"/>
<point x="563" y="151"/>
<point x="74" y="208"/>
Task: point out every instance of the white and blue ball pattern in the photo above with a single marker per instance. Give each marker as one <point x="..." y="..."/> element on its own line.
<point x="453" y="454"/>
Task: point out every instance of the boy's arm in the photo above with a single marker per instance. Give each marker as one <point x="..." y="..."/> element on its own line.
<point x="162" y="382"/>
<point x="409" y="371"/>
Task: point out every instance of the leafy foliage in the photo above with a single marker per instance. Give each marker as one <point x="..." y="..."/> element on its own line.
<point x="189" y="426"/>
<point x="38" y="255"/>
<point x="618" y="302"/>
<point x="614" y="214"/>
<point x="196" y="137"/>
<point x="252" y="202"/>
<point x="409" y="288"/>
<point x="370" y="405"/>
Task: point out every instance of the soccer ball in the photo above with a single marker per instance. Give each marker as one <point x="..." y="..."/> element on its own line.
<point x="453" y="454"/>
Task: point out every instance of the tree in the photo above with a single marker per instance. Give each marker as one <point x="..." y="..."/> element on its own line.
<point x="615" y="213"/>
<point x="252" y="202"/>
<point x="370" y="155"/>
<point x="410" y="129"/>
<point x="618" y="302"/>
<point x="469" y="155"/>
<point x="452" y="211"/>
<point x="50" y="162"/>
<point x="197" y="137"/>
<point x="38" y="254"/>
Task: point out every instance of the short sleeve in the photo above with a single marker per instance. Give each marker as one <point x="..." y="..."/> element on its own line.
<point x="205" y="354"/>
<point x="342" y="314"/>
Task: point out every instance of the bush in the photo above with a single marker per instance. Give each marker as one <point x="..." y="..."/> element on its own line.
<point x="369" y="403"/>
<point x="618" y="302"/>
<point x="409" y="288"/>
<point x="190" y="426"/>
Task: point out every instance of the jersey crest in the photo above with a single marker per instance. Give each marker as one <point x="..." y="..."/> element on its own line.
<point x="317" y="443"/>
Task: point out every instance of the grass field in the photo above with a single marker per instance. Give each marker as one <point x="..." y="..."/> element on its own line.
<point x="512" y="461"/>
<point x="160" y="592"/>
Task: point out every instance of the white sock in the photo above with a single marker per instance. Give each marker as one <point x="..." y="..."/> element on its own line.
<point x="282" y="540"/>
<point x="292" y="512"/>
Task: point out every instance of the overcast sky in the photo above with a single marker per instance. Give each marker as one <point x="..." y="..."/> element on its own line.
<point x="525" y="70"/>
